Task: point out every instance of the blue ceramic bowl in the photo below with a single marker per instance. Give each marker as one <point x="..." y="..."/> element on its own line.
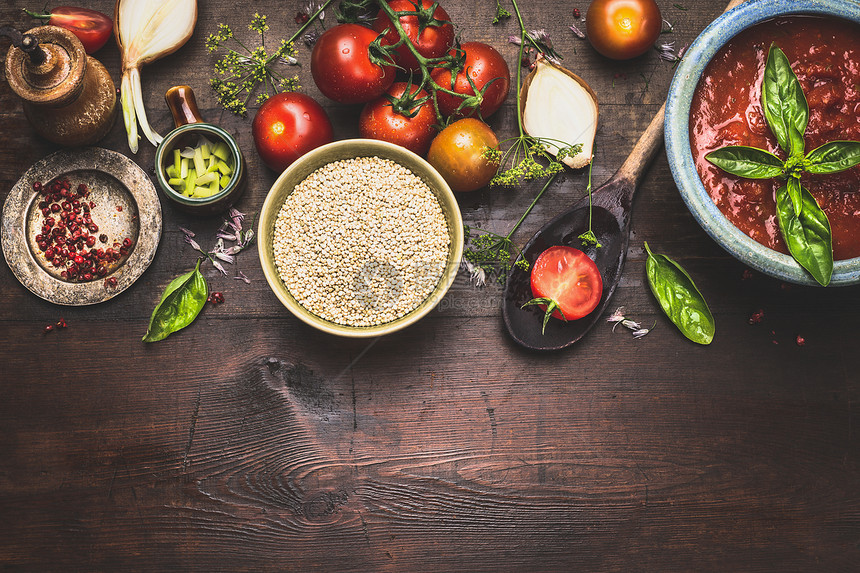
<point x="677" y="128"/>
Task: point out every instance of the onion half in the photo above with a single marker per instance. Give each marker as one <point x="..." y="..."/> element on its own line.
<point x="560" y="108"/>
<point x="147" y="30"/>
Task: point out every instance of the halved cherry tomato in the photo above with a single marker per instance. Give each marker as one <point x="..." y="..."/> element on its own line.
<point x="457" y="154"/>
<point x="341" y="66"/>
<point x="92" y="28"/>
<point x="623" y="29"/>
<point x="568" y="277"/>
<point x="380" y="120"/>
<point x="484" y="65"/>
<point x="429" y="31"/>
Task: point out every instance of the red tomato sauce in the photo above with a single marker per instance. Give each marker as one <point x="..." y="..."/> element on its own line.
<point x="726" y="110"/>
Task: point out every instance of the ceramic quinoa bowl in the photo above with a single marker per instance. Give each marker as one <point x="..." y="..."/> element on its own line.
<point x="360" y="238"/>
<point x="678" y="135"/>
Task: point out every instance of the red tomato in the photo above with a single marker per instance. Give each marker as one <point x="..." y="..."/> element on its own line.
<point x="434" y="39"/>
<point x="483" y="65"/>
<point x="623" y="29"/>
<point x="92" y="28"/>
<point x="457" y="154"/>
<point x="380" y="120"/>
<point x="570" y="278"/>
<point x="341" y="66"/>
<point x="287" y="126"/>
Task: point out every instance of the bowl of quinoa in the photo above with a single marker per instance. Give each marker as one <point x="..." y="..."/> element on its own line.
<point x="360" y="238"/>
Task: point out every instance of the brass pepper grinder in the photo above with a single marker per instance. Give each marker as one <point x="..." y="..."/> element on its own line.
<point x="68" y="96"/>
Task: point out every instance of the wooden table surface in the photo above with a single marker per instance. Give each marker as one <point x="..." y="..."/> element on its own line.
<point x="250" y="441"/>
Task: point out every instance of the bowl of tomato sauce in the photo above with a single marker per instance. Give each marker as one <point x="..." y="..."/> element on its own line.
<point x="715" y="101"/>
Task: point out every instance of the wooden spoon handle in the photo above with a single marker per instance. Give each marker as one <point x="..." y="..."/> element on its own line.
<point x="633" y="168"/>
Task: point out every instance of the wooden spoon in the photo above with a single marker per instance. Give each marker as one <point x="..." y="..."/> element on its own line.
<point x="611" y="224"/>
<point x="612" y="204"/>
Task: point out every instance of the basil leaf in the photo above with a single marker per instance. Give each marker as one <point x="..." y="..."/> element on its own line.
<point x="182" y="301"/>
<point x="782" y="99"/>
<point x="796" y="143"/>
<point x="746" y="161"/>
<point x="833" y="157"/>
<point x="795" y="193"/>
<point x="679" y="298"/>
<point x="807" y="234"/>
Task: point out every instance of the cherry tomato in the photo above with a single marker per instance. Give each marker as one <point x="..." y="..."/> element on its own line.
<point x="623" y="29"/>
<point x="456" y="153"/>
<point x="92" y="28"/>
<point x="341" y="66"/>
<point x="287" y="126"/>
<point x="568" y="277"/>
<point x="434" y="39"/>
<point x="380" y="120"/>
<point x="483" y="65"/>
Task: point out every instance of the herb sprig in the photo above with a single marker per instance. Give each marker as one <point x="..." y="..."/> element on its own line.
<point x="242" y="69"/>
<point x="802" y="222"/>
<point x="491" y="253"/>
<point x="522" y="160"/>
<point x="518" y="162"/>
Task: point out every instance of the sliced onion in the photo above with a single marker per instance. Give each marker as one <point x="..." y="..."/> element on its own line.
<point x="147" y="30"/>
<point x="560" y="108"/>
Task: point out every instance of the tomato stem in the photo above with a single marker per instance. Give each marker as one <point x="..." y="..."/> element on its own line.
<point x="426" y="64"/>
<point x="37" y="15"/>
<point x="551" y="306"/>
<point x="426" y="79"/>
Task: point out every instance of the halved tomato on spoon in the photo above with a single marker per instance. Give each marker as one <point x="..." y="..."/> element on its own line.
<point x="565" y="283"/>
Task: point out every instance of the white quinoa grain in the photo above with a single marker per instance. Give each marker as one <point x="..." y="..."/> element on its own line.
<point x="361" y="242"/>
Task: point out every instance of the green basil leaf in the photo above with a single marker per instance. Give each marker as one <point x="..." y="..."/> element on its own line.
<point x="744" y="161"/>
<point x="782" y="99"/>
<point x="807" y="234"/>
<point x="795" y="193"/>
<point x="833" y="157"/>
<point x="679" y="298"/>
<point x="182" y="301"/>
<point x="796" y="143"/>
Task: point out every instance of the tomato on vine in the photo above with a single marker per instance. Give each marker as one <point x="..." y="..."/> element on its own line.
<point x="458" y="154"/>
<point x="429" y="30"/>
<point x="406" y="121"/>
<point x="344" y="68"/>
<point x="623" y="29"/>
<point x="484" y="72"/>
<point x="287" y="126"/>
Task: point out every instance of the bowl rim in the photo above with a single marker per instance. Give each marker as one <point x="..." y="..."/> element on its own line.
<point x="676" y="128"/>
<point x="199" y="201"/>
<point x="346" y="149"/>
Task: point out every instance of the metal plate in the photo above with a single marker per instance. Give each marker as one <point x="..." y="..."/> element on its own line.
<point x="126" y="205"/>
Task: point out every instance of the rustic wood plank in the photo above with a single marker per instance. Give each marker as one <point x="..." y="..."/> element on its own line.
<point x="249" y="441"/>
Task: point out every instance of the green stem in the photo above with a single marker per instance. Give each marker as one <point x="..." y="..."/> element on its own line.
<point x="310" y="21"/>
<point x="426" y="64"/>
<point x="534" y="202"/>
<point x="588" y="190"/>
<point x="523" y="37"/>
<point x="38" y="16"/>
